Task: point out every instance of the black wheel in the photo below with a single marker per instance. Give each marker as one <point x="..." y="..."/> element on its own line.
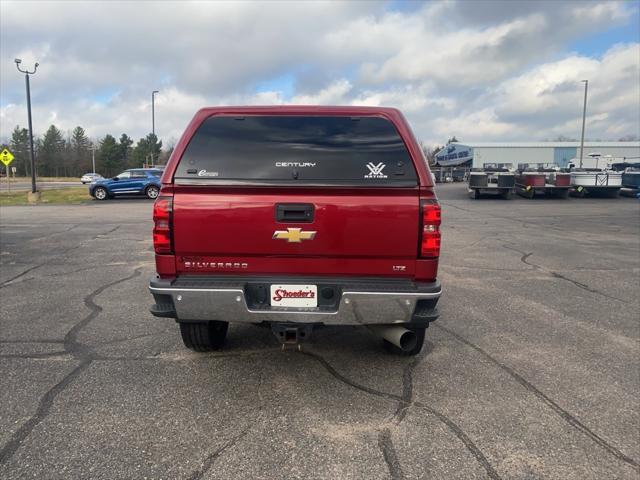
<point x="204" y="336"/>
<point x="506" y="194"/>
<point x="476" y="194"/>
<point x="391" y="348"/>
<point x="152" y="192"/>
<point x="100" y="193"/>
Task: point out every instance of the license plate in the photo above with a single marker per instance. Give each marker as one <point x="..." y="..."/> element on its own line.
<point x="294" y="296"/>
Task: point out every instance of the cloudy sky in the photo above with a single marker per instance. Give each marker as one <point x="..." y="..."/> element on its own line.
<point x="480" y="70"/>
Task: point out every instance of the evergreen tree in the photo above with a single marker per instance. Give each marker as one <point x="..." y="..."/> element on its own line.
<point x="155" y="147"/>
<point x="125" y="149"/>
<point x="109" y="155"/>
<point x="20" y="148"/>
<point x="80" y="153"/>
<point x="51" y="156"/>
<point x="68" y="165"/>
<point x="147" y="150"/>
<point x="37" y="148"/>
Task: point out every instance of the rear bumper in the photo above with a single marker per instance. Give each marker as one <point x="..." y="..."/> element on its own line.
<point x="357" y="301"/>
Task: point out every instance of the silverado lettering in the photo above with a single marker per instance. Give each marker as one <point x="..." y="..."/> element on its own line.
<point x="301" y="216"/>
<point x="205" y="265"/>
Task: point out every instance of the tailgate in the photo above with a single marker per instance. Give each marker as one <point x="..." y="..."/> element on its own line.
<point x="353" y="232"/>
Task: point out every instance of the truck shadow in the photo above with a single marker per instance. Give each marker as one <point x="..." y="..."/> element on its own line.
<point x="357" y="343"/>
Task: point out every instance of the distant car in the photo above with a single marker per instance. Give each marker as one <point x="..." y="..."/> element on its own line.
<point x="90" y="177"/>
<point x="136" y="181"/>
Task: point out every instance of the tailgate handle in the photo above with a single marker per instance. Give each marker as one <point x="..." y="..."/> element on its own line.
<point x="294" y="212"/>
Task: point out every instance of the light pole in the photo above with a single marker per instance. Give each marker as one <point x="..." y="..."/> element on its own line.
<point x="584" y="116"/>
<point x="153" y="111"/>
<point x="33" y="157"/>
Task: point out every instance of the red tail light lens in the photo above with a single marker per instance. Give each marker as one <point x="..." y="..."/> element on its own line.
<point x="430" y="241"/>
<point x="162" y="210"/>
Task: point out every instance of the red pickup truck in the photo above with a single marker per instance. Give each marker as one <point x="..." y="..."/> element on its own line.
<point x="297" y="217"/>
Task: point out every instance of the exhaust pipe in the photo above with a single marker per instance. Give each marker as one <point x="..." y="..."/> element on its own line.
<point x="402" y="338"/>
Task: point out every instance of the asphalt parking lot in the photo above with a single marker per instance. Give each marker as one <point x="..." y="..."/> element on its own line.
<point x="532" y="370"/>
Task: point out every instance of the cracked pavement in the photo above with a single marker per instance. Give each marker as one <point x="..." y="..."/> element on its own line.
<point x="532" y="370"/>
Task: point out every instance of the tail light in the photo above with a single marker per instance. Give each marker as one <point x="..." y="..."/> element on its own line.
<point x="162" y="213"/>
<point x="430" y="239"/>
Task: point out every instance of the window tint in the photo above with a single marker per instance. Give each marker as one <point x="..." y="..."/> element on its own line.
<point x="124" y="175"/>
<point x="156" y="173"/>
<point x="297" y="150"/>
<point x="138" y="174"/>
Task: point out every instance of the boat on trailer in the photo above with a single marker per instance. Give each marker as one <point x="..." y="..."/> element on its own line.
<point x="597" y="175"/>
<point x="541" y="179"/>
<point x="596" y="182"/>
<point x="493" y="178"/>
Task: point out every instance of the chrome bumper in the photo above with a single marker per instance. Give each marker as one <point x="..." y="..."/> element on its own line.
<point x="354" y="308"/>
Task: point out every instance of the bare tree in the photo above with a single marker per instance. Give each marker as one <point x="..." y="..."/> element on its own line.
<point x="430" y="152"/>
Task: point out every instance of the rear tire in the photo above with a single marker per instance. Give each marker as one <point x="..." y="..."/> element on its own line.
<point x="204" y="336"/>
<point x="506" y="194"/>
<point x="391" y="348"/>
<point x="100" y="193"/>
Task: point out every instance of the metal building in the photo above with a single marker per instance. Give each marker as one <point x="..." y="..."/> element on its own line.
<point x="559" y="153"/>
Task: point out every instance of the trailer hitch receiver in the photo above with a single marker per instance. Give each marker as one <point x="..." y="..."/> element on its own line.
<point x="291" y="333"/>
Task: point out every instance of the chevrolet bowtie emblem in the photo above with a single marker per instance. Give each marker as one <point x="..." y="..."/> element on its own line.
<point x="293" y="235"/>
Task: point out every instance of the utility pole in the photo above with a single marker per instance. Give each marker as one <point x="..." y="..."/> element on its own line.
<point x="153" y="111"/>
<point x="93" y="157"/>
<point x="153" y="119"/>
<point x="33" y="156"/>
<point x="584" y="116"/>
